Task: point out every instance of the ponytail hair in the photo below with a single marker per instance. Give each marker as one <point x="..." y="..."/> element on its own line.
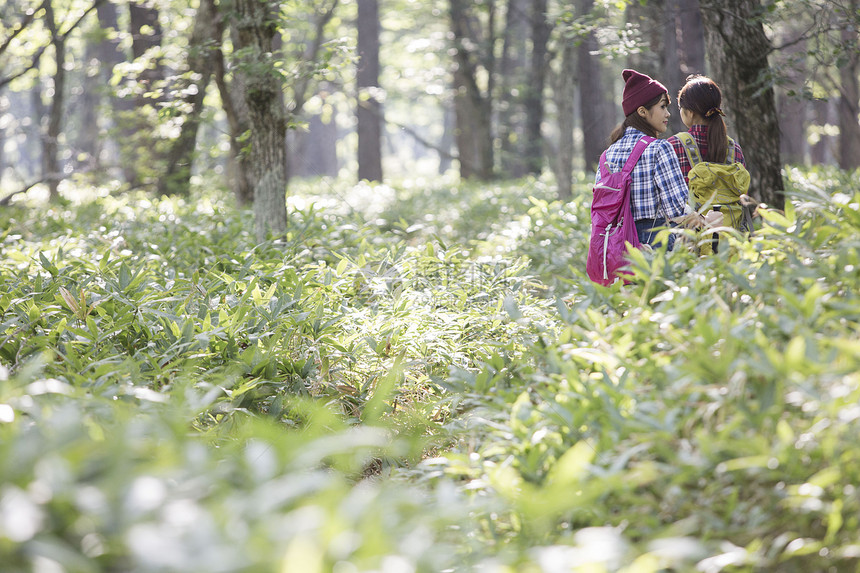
<point x="702" y="96"/>
<point x="636" y="121"/>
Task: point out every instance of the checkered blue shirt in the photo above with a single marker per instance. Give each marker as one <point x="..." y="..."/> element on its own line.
<point x="657" y="187"/>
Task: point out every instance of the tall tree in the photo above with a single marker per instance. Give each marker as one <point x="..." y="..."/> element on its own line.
<point x="849" y="91"/>
<point x="141" y="149"/>
<point x="534" y="96"/>
<point x="738" y="51"/>
<point x="564" y="91"/>
<point x="474" y="59"/>
<point x="191" y="90"/>
<point x="691" y="37"/>
<point x="672" y="76"/>
<point x="594" y="108"/>
<point x="111" y="53"/>
<point x="791" y="104"/>
<point x="256" y="23"/>
<point x="513" y="86"/>
<point x="313" y="152"/>
<point x="51" y="171"/>
<point x="369" y="110"/>
<point x="232" y="90"/>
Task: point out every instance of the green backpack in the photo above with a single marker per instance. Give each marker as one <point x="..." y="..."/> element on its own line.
<point x="718" y="187"/>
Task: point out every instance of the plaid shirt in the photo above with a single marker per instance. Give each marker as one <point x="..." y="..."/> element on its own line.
<point x="700" y="136"/>
<point x="658" y="188"/>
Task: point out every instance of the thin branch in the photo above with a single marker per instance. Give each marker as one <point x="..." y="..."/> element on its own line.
<point x="34" y="63"/>
<point x="77" y="22"/>
<point x="28" y="19"/>
<point x="300" y="93"/>
<point x="8" y="198"/>
<point x="412" y="133"/>
<point x="37" y="57"/>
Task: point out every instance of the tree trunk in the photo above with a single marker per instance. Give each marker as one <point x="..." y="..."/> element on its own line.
<point x="51" y="171"/>
<point x="673" y="77"/>
<point x="201" y="62"/>
<point x="447" y="143"/>
<point x="239" y="171"/>
<point x="368" y="111"/>
<point x="513" y="83"/>
<point x="595" y="106"/>
<point x="648" y="19"/>
<point x="534" y="100"/>
<point x="88" y="140"/>
<point x="738" y="49"/>
<point x="564" y="89"/>
<point x="142" y="149"/>
<point x="791" y="105"/>
<point x="692" y="38"/>
<point x="849" y="96"/>
<point x="111" y="54"/>
<point x="822" y="151"/>
<point x="257" y="26"/>
<point x="313" y="153"/>
<point x="474" y="109"/>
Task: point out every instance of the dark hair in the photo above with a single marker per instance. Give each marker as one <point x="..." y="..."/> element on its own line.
<point x="637" y="121"/>
<point x="702" y="96"/>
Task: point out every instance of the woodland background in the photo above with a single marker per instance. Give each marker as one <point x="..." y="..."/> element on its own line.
<point x="300" y="287"/>
<point x="149" y="94"/>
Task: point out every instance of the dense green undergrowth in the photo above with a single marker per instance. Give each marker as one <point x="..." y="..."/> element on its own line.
<point x="421" y="378"/>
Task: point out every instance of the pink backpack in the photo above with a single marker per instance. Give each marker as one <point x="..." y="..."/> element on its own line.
<point x="612" y="224"/>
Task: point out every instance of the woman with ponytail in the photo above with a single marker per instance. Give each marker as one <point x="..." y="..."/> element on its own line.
<point x="700" y="101"/>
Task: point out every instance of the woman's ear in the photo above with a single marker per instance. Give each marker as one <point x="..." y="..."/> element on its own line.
<point x="642" y="111"/>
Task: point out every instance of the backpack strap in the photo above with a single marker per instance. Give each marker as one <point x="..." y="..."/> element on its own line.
<point x="694" y="156"/>
<point x="638" y="149"/>
<point x="692" y="150"/>
<point x="604" y="171"/>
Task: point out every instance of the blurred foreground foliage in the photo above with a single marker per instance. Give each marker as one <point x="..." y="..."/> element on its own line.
<point x="421" y="378"/>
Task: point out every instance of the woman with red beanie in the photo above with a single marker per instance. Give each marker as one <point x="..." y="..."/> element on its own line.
<point x="658" y="189"/>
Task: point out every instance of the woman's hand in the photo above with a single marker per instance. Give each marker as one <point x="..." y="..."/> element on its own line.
<point x="713" y="219"/>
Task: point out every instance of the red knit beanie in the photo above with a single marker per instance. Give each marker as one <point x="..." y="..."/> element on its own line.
<point x="639" y="89"/>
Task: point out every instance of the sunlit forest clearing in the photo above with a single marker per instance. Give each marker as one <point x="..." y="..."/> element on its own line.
<point x="301" y="287"/>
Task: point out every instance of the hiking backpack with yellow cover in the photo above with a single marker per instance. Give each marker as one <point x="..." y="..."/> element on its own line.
<point x="718" y="187"/>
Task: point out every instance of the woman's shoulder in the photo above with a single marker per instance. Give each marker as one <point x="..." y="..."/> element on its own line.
<point x="659" y="146"/>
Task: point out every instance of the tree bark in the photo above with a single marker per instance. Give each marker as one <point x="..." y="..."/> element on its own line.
<point x="595" y="107"/>
<point x="201" y="63"/>
<point x="691" y="35"/>
<point x="51" y="171"/>
<point x="738" y="50"/>
<point x="256" y="27"/>
<point x="313" y="153"/>
<point x="564" y="90"/>
<point x="142" y="149"/>
<point x="791" y="105"/>
<point x="647" y="18"/>
<point x="673" y="76"/>
<point x="513" y="83"/>
<point x="474" y="136"/>
<point x="823" y="151"/>
<point x="111" y="54"/>
<point x="849" y="96"/>
<point x="534" y="100"/>
<point x="239" y="171"/>
<point x="369" y="110"/>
